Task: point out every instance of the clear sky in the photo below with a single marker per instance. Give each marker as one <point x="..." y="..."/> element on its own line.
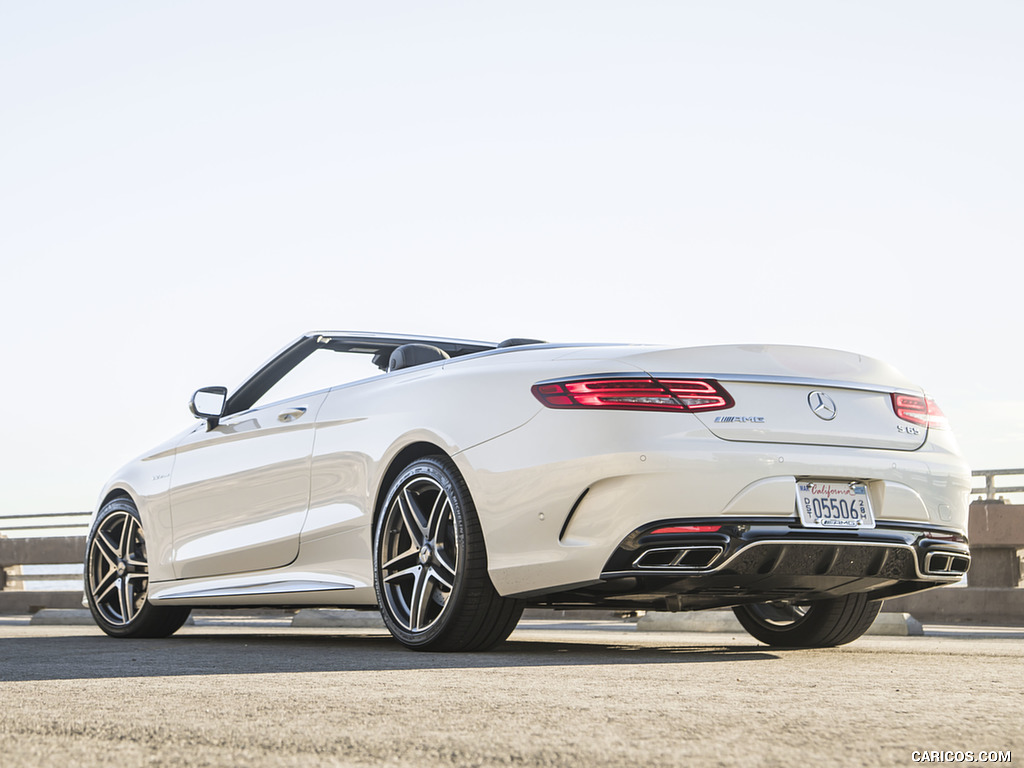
<point x="185" y="187"/>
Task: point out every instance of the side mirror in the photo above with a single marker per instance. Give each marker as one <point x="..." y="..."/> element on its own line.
<point x="208" y="403"/>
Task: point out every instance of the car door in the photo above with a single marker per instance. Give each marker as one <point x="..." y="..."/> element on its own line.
<point x="240" y="491"/>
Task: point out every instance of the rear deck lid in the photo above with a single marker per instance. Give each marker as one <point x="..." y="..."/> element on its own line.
<point x="795" y="395"/>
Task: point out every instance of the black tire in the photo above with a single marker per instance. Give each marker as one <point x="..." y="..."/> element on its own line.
<point x="117" y="577"/>
<point x="430" y="564"/>
<point x="818" y="624"/>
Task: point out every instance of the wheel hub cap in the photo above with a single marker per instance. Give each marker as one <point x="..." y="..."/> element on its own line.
<point x="425" y="554"/>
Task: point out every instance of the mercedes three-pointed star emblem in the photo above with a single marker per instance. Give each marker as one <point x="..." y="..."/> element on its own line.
<point x="823" y="406"/>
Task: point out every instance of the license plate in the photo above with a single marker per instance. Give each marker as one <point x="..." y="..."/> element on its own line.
<point x="825" y="504"/>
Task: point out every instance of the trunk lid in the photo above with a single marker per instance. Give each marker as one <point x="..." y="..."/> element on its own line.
<point x="795" y="395"/>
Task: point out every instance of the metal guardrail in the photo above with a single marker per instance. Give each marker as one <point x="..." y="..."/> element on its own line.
<point x="990" y="489"/>
<point x="44" y="524"/>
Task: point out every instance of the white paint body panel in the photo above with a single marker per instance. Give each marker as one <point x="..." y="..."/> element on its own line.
<point x="261" y="502"/>
<point x="239" y="493"/>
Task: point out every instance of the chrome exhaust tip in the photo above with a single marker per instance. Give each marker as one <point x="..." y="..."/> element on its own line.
<point x="944" y="563"/>
<point x="682" y="558"/>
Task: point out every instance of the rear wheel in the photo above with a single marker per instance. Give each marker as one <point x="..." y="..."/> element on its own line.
<point x="117" y="577"/>
<point x="817" y="624"/>
<point x="430" y="564"/>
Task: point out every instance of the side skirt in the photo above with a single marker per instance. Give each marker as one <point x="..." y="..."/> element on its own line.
<point x="262" y="589"/>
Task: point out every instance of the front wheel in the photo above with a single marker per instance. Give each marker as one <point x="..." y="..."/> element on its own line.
<point x="816" y="624"/>
<point x="117" y="577"/>
<point x="430" y="564"/>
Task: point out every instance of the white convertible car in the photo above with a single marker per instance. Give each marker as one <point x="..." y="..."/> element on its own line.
<point x="452" y="483"/>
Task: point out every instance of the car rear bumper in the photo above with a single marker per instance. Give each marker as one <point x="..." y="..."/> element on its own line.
<point x="760" y="560"/>
<point x="556" y="521"/>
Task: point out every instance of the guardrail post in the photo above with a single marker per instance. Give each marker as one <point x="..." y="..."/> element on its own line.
<point x="990" y="490"/>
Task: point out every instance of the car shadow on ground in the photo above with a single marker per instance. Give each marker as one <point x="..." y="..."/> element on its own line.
<point x="199" y="653"/>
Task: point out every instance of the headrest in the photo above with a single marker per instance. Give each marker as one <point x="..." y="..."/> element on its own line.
<point x="518" y="342"/>
<point x="409" y="355"/>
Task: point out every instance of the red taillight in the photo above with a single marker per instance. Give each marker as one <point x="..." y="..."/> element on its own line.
<point x="688" y="529"/>
<point x="635" y="394"/>
<point x="942" y="536"/>
<point x="919" y="410"/>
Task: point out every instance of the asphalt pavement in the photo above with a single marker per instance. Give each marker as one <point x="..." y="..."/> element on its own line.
<point x="231" y="691"/>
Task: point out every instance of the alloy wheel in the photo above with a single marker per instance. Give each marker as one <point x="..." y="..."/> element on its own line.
<point x="118" y="572"/>
<point x="419" y="554"/>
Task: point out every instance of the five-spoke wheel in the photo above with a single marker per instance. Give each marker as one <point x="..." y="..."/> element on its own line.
<point x="117" y="577"/>
<point x="419" y="553"/>
<point x="430" y="566"/>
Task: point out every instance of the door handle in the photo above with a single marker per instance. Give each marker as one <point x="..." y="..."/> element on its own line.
<point x="291" y="414"/>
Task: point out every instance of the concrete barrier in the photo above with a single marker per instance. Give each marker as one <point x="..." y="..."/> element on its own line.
<point x="996" y="533"/>
<point x="53" y="550"/>
<point x="892" y="624"/>
<point x="963" y="605"/>
<point x="338" y="617"/>
<point x="27" y="601"/>
<point x="57" y="617"/>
